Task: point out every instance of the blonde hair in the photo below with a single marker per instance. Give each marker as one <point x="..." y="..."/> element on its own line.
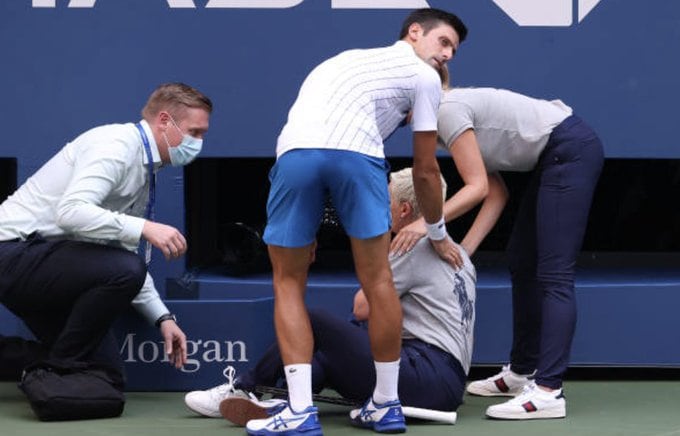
<point x="402" y="190"/>
<point x="175" y="98"/>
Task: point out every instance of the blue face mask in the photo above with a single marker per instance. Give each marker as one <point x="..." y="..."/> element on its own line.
<point x="186" y="151"/>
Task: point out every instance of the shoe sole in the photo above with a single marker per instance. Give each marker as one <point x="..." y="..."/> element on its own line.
<point x="203" y="412"/>
<point x="239" y="411"/>
<point x="308" y="432"/>
<point x="545" y="414"/>
<point x="387" y="429"/>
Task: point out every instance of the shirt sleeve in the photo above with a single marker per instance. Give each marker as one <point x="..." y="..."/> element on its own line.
<point x="453" y="119"/>
<point x="401" y="272"/>
<point x="98" y="169"/>
<point x="148" y="302"/>
<point x="428" y="94"/>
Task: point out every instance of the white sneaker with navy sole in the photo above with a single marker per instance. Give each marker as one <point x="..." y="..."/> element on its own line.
<point x="382" y="418"/>
<point x="532" y="403"/>
<point x="504" y="384"/>
<point x="287" y="423"/>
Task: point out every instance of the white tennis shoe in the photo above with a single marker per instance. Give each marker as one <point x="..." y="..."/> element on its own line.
<point x="207" y="403"/>
<point x="532" y="403"/>
<point x="504" y="384"/>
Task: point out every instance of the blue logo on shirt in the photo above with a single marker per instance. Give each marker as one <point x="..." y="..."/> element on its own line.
<point x="467" y="306"/>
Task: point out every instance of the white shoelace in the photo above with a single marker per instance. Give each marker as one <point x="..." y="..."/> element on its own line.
<point x="227" y="388"/>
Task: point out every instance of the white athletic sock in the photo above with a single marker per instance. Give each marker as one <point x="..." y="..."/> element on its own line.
<point x="299" y="379"/>
<point x="386" y="381"/>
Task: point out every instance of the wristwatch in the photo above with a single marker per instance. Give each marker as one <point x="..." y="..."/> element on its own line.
<point x="165" y="317"/>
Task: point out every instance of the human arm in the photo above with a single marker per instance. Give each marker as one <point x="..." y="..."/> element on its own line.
<point x="166" y="238"/>
<point x="175" y="342"/>
<point x="468" y="161"/>
<point x="360" y="308"/>
<point x="149" y="304"/>
<point x="488" y="214"/>
<point x="427" y="185"/>
<point x="98" y="169"/>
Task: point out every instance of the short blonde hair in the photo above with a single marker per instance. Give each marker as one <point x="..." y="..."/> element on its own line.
<point x="402" y="190"/>
<point x="175" y="98"/>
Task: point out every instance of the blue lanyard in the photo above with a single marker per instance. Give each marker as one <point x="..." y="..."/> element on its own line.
<point x="149" y="213"/>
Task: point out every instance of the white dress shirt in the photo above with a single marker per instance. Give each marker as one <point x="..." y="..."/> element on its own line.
<point x="95" y="189"/>
<point x="355" y="100"/>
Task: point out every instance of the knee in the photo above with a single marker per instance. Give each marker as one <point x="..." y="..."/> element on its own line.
<point x="377" y="282"/>
<point x="520" y="269"/>
<point x="132" y="273"/>
<point x="558" y="285"/>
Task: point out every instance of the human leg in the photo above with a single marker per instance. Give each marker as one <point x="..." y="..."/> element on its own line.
<point x="16" y="353"/>
<point x="569" y="169"/>
<point x="429" y="377"/>
<point x="358" y="188"/>
<point x="341" y="360"/>
<point x="294" y="210"/>
<point x="72" y="293"/>
<point x="382" y="412"/>
<point x="343" y="351"/>
<point x="572" y="165"/>
<point x="526" y="304"/>
<point x="375" y="277"/>
<point x="526" y="296"/>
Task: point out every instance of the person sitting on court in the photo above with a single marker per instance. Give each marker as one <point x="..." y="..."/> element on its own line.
<point x="439" y="314"/>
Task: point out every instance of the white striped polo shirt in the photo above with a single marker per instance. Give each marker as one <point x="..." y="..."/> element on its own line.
<point x="355" y="100"/>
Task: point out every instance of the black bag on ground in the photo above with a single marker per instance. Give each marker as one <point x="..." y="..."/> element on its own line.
<point x="62" y="391"/>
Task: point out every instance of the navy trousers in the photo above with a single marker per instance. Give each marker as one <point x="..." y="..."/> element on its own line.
<point x="69" y="293"/>
<point x="17" y="353"/>
<point x="543" y="248"/>
<point x="428" y="376"/>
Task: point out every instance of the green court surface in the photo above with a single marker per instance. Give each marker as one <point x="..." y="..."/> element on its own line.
<point x="593" y="408"/>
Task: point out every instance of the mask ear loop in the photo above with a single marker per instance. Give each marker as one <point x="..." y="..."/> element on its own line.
<point x="175" y="124"/>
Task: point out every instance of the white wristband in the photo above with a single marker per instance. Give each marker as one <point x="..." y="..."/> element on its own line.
<point x="436" y="231"/>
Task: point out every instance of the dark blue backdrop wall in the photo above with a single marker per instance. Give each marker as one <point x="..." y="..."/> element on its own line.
<point x="69" y="65"/>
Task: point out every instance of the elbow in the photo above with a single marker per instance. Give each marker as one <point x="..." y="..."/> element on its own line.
<point x="481" y="190"/>
<point x="502" y="194"/>
<point x="424" y="174"/>
<point x="65" y="215"/>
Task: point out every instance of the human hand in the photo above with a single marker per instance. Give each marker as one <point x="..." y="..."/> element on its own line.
<point x="448" y="251"/>
<point x="407" y="237"/>
<point x="361" y="308"/>
<point x="166" y="238"/>
<point x="175" y="343"/>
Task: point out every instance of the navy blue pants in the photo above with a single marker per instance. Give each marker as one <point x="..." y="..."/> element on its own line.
<point x="17" y="353"/>
<point x="542" y="251"/>
<point x="428" y="376"/>
<point x="69" y="293"/>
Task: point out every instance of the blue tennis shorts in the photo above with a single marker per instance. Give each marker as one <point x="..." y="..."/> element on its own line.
<point x="302" y="179"/>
